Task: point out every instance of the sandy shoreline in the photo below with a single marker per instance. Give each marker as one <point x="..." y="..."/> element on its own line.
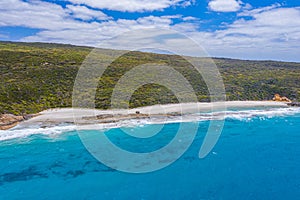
<point x="94" y="116"/>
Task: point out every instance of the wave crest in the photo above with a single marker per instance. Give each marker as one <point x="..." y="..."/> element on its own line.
<point x="242" y="115"/>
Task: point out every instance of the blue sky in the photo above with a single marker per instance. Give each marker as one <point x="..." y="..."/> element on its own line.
<point x="244" y="29"/>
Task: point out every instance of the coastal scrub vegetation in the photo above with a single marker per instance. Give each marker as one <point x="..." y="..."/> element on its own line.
<point x="39" y="76"/>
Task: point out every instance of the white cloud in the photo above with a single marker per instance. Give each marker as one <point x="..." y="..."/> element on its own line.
<point x="133" y="5"/>
<point x="84" y="13"/>
<point x="272" y="33"/>
<point x="189" y="18"/>
<point x="187" y="3"/>
<point x="269" y="24"/>
<point x="259" y="10"/>
<point x="97" y="32"/>
<point x="225" y="5"/>
<point x="264" y="33"/>
<point x="36" y="14"/>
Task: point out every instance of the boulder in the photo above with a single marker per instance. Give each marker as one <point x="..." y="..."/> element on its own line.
<point x="8" y="121"/>
<point x="277" y="97"/>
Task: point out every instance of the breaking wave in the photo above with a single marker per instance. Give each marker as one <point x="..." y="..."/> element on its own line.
<point x="242" y="115"/>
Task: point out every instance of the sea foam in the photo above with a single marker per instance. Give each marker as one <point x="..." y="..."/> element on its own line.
<point x="242" y="115"/>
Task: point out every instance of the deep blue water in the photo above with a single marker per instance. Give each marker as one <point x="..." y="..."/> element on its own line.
<point x="253" y="159"/>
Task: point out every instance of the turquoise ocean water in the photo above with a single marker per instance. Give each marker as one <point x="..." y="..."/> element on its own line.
<point x="256" y="157"/>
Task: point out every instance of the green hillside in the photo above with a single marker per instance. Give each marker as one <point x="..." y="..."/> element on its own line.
<point x="38" y="76"/>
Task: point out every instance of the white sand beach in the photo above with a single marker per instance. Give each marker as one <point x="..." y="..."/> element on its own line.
<point x="92" y="116"/>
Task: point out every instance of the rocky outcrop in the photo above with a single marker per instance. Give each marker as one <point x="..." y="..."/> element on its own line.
<point x="8" y="121"/>
<point x="279" y="98"/>
<point x="294" y="104"/>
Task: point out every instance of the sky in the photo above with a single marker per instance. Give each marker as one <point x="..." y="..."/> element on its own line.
<point x="243" y="29"/>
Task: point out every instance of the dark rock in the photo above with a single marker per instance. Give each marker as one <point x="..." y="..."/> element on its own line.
<point x="294" y="104"/>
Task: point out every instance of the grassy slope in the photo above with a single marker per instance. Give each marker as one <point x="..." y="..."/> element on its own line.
<point x="38" y="76"/>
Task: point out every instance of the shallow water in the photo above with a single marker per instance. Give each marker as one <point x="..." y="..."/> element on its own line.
<point x="256" y="157"/>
